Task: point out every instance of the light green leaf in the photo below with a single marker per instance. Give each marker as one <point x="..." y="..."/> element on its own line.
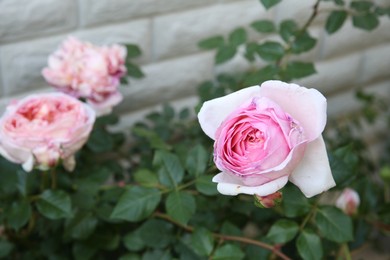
<point x="136" y="203"/>
<point x="54" y="204"/>
<point x="269" y="3"/>
<point x="170" y="171"/>
<point x="18" y="214"/>
<point x="212" y="42"/>
<point x="180" y="206"/>
<point x="282" y="231"/>
<point x="202" y="242"/>
<point x="146" y="178"/>
<point x="263" y="26"/>
<point x="367" y="21"/>
<point x="334" y="224"/>
<point x="197" y="160"/>
<point x="228" y="252"/>
<point x="335" y="20"/>
<point x="237" y="37"/>
<point x="309" y="246"/>
<point x="270" y="51"/>
<point x="225" y="53"/>
<point x="205" y="186"/>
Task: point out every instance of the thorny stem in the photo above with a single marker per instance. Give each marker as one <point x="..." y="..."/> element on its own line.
<point x="227" y="237"/>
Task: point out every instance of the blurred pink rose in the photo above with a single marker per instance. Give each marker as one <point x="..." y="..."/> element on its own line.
<point x="348" y="201"/>
<point x="40" y="130"/>
<point x="265" y="136"/>
<point x="87" y="71"/>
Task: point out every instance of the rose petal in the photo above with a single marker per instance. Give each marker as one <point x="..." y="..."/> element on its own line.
<point x="214" y="112"/>
<point x="228" y="185"/>
<point x="313" y="174"/>
<point x="307" y="106"/>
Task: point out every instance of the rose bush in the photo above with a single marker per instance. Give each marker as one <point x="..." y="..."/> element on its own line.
<point x="265" y="136"/>
<point x="348" y="201"/>
<point x="87" y="71"/>
<point x="40" y="130"/>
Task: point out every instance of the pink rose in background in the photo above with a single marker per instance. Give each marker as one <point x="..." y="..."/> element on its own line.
<point x="87" y="71"/>
<point x="265" y="136"/>
<point x="348" y="201"/>
<point x="40" y="130"/>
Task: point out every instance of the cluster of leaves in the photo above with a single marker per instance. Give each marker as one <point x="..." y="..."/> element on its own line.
<point x="150" y="195"/>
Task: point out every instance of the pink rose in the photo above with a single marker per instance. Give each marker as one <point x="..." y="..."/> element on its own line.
<point x="348" y="201"/>
<point x="265" y="136"/>
<point x="40" y="130"/>
<point x="87" y="71"/>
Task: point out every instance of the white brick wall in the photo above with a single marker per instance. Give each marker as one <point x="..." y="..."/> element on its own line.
<point x="167" y="32"/>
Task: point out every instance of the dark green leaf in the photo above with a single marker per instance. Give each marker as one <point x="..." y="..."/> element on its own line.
<point x="282" y="231"/>
<point x="230" y="229"/>
<point x="202" y="242"/>
<point x="180" y="206"/>
<point x="263" y="26"/>
<point x="156" y="233"/>
<point x="134" y="71"/>
<point x="22" y="182"/>
<point x="211" y="43"/>
<point x="18" y="214"/>
<point x="5" y="248"/>
<point x="130" y="256"/>
<point x="334" y="224"/>
<point x="361" y="6"/>
<point x="100" y="141"/>
<point x="136" y="203"/>
<point x="228" y="252"/>
<point x="304" y="42"/>
<point x="294" y="203"/>
<point x="237" y="37"/>
<point x="225" y="53"/>
<point x="133" y="50"/>
<point x="152" y="137"/>
<point x="83" y="252"/>
<point x="157" y="254"/>
<point x="269" y="3"/>
<point x="335" y="20"/>
<point x="367" y="21"/>
<point x="270" y="51"/>
<point x="287" y="30"/>
<point x="297" y="69"/>
<point x="205" y="186"/>
<point x="309" y="246"/>
<point x="171" y="171"/>
<point x="133" y="241"/>
<point x="54" y="204"/>
<point x="197" y="160"/>
<point x="146" y="178"/>
<point x="81" y="226"/>
<point x="259" y="76"/>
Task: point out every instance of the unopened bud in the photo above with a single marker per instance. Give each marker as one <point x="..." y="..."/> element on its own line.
<point x="348" y="201"/>
<point x="268" y="201"/>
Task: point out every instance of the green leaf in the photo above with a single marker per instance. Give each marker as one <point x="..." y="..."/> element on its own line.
<point x="361" y="6"/>
<point x="228" y="252"/>
<point x="202" y="242"/>
<point x="136" y="204"/>
<point x="205" y="186"/>
<point x="130" y="256"/>
<point x="197" y="160"/>
<point x="82" y="251"/>
<point x="304" y="42"/>
<point x="259" y="76"/>
<point x="81" y="226"/>
<point x="157" y="254"/>
<point x="156" y="233"/>
<point x="263" y="26"/>
<point x="54" y="204"/>
<point x="100" y="141"/>
<point x="152" y="137"/>
<point x="367" y="21"/>
<point x="133" y="241"/>
<point x="133" y="50"/>
<point x="309" y="245"/>
<point x="270" y="51"/>
<point x="18" y="214"/>
<point x="294" y="203"/>
<point x="5" y="248"/>
<point x="21" y="185"/>
<point x="297" y="69"/>
<point x="180" y="206"/>
<point x="287" y="30"/>
<point x="334" y="224"/>
<point x="237" y="37"/>
<point x="212" y="42"/>
<point x="134" y="71"/>
<point x="335" y="20"/>
<point x="283" y="231"/>
<point x="269" y="3"/>
<point x="225" y="53"/>
<point x="146" y="178"/>
<point x="171" y="171"/>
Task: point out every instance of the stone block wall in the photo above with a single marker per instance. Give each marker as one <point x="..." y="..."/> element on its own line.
<point x="167" y="32"/>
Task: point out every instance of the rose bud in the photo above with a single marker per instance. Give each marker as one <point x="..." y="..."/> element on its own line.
<point x="348" y="201"/>
<point x="268" y="201"/>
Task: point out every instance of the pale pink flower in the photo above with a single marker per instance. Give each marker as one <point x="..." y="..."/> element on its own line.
<point x="44" y="129"/>
<point x="87" y="71"/>
<point x="265" y="136"/>
<point x="348" y="201"/>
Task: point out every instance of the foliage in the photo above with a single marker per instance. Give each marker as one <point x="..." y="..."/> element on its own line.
<point x="150" y="196"/>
